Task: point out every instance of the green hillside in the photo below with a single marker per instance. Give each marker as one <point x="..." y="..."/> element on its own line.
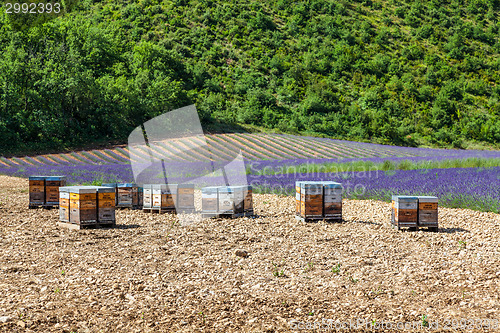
<point x="398" y="72"/>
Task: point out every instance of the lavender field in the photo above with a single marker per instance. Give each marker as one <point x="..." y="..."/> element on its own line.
<point x="460" y="178"/>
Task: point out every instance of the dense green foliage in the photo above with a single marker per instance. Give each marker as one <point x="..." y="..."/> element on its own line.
<point x="400" y="72"/>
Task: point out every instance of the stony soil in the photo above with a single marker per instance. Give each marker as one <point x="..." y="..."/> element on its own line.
<point x="151" y="274"/>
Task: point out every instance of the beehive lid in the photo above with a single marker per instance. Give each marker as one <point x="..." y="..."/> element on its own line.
<point x="185" y="185"/>
<point x="82" y="189"/>
<point x="310" y="184"/>
<point x="210" y="189"/>
<point x="404" y="198"/>
<point x="124" y="185"/>
<point x="109" y="184"/>
<point x="56" y="178"/>
<point x="149" y="186"/>
<point x="426" y="198"/>
<point x="226" y="189"/>
<point x="332" y="185"/>
<point x="37" y="177"/>
<point x="105" y="189"/>
<point x="65" y="189"/>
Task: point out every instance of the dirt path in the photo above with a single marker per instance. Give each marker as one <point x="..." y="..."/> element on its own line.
<point x="152" y="275"/>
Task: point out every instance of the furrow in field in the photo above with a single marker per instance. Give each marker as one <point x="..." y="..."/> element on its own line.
<point x="332" y="152"/>
<point x="195" y="153"/>
<point x="57" y="159"/>
<point x="199" y="147"/>
<point x="301" y="148"/>
<point x="119" y="154"/>
<point x="4" y="161"/>
<point x="269" y="146"/>
<point x="336" y="149"/>
<point x="89" y="157"/>
<point x="13" y="162"/>
<point x="71" y="159"/>
<point x="256" y="146"/>
<point x="173" y="151"/>
<point x="103" y="156"/>
<point x="251" y="145"/>
<point x="80" y="158"/>
<point x="216" y="146"/>
<point x="318" y="152"/>
<point x="247" y="152"/>
<point x="283" y="146"/>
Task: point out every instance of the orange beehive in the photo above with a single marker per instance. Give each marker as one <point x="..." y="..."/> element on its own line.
<point x="36" y="191"/>
<point x="106" y="203"/>
<point x="404" y="211"/>
<point x="83" y="205"/>
<point x="311" y="200"/>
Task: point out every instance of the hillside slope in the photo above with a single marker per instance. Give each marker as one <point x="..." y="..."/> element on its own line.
<point x="400" y="72"/>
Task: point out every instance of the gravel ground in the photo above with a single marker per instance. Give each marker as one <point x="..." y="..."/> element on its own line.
<point x="152" y="274"/>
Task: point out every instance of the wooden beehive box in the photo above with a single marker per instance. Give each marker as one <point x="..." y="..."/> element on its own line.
<point x="248" y="200"/>
<point x="115" y="188"/>
<point x="226" y="200"/>
<point x="156" y="190"/>
<point x="297" y="198"/>
<point x="106" y="203"/>
<point x="147" y="197"/>
<point x="137" y="196"/>
<point x="311" y="200"/>
<point x="168" y="197"/>
<point x="125" y="194"/>
<point x="185" y="197"/>
<point x="64" y="204"/>
<point x="83" y="205"/>
<point x="36" y="191"/>
<point x="210" y="200"/>
<point x="428" y="211"/>
<point x="404" y="211"/>
<point x="52" y="185"/>
<point x="332" y="201"/>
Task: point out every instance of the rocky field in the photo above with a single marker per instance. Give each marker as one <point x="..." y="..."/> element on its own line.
<point x="264" y="274"/>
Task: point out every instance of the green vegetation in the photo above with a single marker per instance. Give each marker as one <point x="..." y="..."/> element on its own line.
<point x="387" y="165"/>
<point x="397" y="72"/>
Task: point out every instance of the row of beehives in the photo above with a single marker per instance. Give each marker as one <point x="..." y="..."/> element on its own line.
<point x="216" y="200"/>
<point x="315" y="200"/>
<point x="322" y="200"/>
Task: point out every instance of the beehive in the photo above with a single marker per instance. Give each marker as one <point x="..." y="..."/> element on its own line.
<point x="124" y="195"/>
<point x="311" y="200"/>
<point x="248" y="200"/>
<point x="226" y="200"/>
<point x="106" y="203"/>
<point x="168" y="197"/>
<point x="185" y="197"/>
<point x="332" y="200"/>
<point x="36" y="190"/>
<point x="147" y="202"/>
<point x="297" y="198"/>
<point x="164" y="197"/>
<point x="52" y="184"/>
<point x="404" y="211"/>
<point x="210" y="200"/>
<point x="137" y="196"/>
<point x="83" y="205"/>
<point x="428" y="211"/>
<point x="64" y="204"/>
<point x="115" y="188"/>
<point x="156" y="196"/>
<point x="239" y="196"/>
